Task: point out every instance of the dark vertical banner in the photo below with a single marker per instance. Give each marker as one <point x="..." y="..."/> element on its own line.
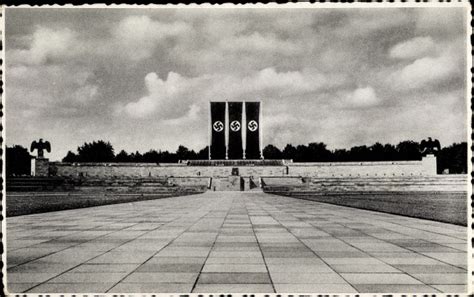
<point x="252" y="115"/>
<point x="218" y="130"/>
<point x="235" y="150"/>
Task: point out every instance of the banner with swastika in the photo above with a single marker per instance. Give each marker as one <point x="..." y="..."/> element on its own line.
<point x="218" y="148"/>
<point x="235" y="150"/>
<point x="252" y="114"/>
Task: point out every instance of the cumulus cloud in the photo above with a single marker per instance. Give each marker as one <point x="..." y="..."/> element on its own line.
<point x="52" y="88"/>
<point x="257" y="43"/>
<point x="413" y="48"/>
<point x="172" y="97"/>
<point x="138" y="36"/>
<point x="362" y="97"/>
<point x="168" y="98"/>
<point x="48" y="45"/>
<point x="428" y="71"/>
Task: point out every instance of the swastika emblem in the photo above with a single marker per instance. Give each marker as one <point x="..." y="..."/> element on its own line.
<point x="253" y="126"/>
<point x="235" y="126"/>
<point x="218" y="126"/>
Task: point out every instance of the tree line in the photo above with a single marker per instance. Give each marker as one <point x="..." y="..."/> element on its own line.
<point x="453" y="157"/>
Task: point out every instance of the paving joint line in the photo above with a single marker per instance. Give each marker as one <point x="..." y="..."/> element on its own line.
<point x="392" y="231"/>
<point x="74" y="245"/>
<point x="260" y="248"/>
<point x="86" y="260"/>
<point x="210" y="250"/>
<point x="115" y="284"/>
<point x="309" y="247"/>
<point x="369" y="254"/>
<point x="104" y="235"/>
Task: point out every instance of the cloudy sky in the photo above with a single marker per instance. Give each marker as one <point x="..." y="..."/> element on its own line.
<point x="143" y="78"/>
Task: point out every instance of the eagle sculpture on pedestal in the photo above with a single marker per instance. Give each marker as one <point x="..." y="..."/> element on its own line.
<point x="40" y="146"/>
<point x="430" y="146"/>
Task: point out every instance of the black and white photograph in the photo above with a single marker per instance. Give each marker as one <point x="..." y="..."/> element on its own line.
<point x="237" y="149"/>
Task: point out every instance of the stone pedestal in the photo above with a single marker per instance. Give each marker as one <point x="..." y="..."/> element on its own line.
<point x="429" y="164"/>
<point x="41" y="167"/>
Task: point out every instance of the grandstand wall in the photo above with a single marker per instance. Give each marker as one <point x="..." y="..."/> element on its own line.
<point x="427" y="166"/>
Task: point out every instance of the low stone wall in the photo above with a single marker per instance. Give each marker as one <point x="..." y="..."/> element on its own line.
<point x="321" y="185"/>
<point x="282" y="180"/>
<point x="427" y="166"/>
<point x="189" y="181"/>
<point x="147" y="169"/>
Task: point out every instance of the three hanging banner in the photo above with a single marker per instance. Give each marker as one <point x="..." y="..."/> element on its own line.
<point x="231" y="120"/>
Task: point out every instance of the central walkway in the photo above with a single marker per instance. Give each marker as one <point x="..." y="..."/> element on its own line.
<point x="232" y="242"/>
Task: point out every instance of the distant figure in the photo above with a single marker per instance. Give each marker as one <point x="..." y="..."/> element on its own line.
<point x="430" y="146"/>
<point x="40" y="146"/>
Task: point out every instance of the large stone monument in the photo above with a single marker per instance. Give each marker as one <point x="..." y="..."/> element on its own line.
<point x="40" y="164"/>
<point x="429" y="149"/>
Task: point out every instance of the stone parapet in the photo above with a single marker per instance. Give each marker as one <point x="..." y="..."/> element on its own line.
<point x="424" y="167"/>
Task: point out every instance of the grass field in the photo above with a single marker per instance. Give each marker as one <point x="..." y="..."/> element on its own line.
<point x="449" y="207"/>
<point x="30" y="203"/>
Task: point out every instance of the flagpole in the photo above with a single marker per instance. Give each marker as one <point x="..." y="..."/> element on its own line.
<point x="244" y="129"/>
<point x="260" y="129"/>
<point x="209" y="132"/>
<point x="226" y="131"/>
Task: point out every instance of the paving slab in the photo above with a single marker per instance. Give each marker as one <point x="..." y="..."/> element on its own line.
<point x="224" y="242"/>
<point x="234" y="278"/>
<point x="71" y="287"/>
<point x="233" y="288"/>
<point x="151" y="288"/>
<point x="160" y="277"/>
<point x="309" y="288"/>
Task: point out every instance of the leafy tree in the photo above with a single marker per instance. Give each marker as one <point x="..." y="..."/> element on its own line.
<point x="377" y="152"/>
<point x="390" y="152"/>
<point x="152" y="156"/>
<point x="289" y="152"/>
<point x="453" y="158"/>
<point x="340" y="155"/>
<point x="359" y="153"/>
<point x="70" y="157"/>
<point x="272" y="152"/>
<point x="18" y="161"/>
<point x="408" y="150"/>
<point x="123" y="156"/>
<point x="167" y="157"/>
<point x="96" y="151"/>
<point x="136" y="157"/>
<point x="203" y="154"/>
<point x="317" y="152"/>
<point x="183" y="153"/>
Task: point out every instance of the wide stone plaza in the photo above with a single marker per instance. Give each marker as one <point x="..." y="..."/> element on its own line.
<point x="233" y="242"/>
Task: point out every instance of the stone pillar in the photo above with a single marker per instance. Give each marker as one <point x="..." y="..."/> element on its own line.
<point x="429" y="164"/>
<point x="41" y="167"/>
<point x="33" y="166"/>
